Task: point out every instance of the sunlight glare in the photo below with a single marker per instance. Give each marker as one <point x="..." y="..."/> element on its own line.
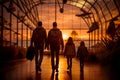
<point x="65" y="37"/>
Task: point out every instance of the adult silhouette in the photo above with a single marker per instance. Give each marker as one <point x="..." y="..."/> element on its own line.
<point x="55" y="40"/>
<point x="39" y="39"/>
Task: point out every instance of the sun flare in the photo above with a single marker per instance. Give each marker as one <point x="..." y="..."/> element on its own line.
<point x="65" y="37"/>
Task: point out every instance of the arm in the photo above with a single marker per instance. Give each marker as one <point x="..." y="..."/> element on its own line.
<point x="61" y="40"/>
<point x="45" y="39"/>
<point x="32" y="39"/>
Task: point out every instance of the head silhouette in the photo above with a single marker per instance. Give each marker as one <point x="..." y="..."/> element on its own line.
<point x="39" y="23"/>
<point x="82" y="43"/>
<point x="54" y="24"/>
<point x="70" y="40"/>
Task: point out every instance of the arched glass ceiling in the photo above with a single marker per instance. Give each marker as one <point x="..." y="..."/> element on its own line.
<point x="31" y="11"/>
<point x="77" y="15"/>
<point x="102" y="10"/>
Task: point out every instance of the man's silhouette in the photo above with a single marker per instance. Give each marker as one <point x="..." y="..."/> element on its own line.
<point x="55" y="40"/>
<point x="39" y="39"/>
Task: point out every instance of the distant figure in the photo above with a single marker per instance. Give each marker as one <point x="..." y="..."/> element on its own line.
<point x="55" y="39"/>
<point x="69" y="52"/>
<point x="82" y="53"/>
<point x="39" y="39"/>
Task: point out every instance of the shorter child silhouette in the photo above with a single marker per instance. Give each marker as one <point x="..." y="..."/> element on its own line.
<point x="82" y="53"/>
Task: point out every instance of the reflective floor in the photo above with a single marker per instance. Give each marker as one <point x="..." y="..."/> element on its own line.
<point x="25" y="70"/>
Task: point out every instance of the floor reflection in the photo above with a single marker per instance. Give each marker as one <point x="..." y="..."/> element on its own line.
<point x="54" y="76"/>
<point x="82" y="75"/>
<point x="58" y="76"/>
<point x="38" y="76"/>
<point x="70" y="74"/>
<point x="25" y="70"/>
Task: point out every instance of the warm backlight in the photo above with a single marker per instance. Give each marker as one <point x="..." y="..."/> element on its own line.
<point x="65" y="37"/>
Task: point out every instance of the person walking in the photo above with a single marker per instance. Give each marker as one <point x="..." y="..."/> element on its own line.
<point x="55" y="40"/>
<point x="38" y="40"/>
<point x="69" y="52"/>
<point x="82" y="53"/>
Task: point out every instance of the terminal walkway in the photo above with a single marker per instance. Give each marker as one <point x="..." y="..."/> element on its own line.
<point x="25" y="70"/>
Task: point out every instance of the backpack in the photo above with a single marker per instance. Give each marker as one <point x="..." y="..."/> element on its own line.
<point x="54" y="37"/>
<point x="39" y="35"/>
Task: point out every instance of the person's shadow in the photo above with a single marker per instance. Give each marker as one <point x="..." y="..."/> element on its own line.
<point x="38" y="76"/>
<point x="70" y="74"/>
<point x="52" y="76"/>
<point x="56" y="76"/>
<point x="82" y="75"/>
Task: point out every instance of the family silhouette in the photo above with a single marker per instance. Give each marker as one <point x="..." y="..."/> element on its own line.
<point x="54" y="41"/>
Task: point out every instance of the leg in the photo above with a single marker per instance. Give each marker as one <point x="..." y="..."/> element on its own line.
<point x="36" y="59"/>
<point x="70" y="60"/>
<point x="57" y="60"/>
<point x="68" y="63"/>
<point x="41" y="56"/>
<point x="81" y="65"/>
<point x="52" y="59"/>
<point x="40" y="59"/>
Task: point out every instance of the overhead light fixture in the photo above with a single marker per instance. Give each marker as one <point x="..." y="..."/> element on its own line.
<point x="61" y="7"/>
<point x="93" y="27"/>
<point x="85" y="13"/>
<point x="111" y="29"/>
<point x="61" y="10"/>
<point x="82" y="15"/>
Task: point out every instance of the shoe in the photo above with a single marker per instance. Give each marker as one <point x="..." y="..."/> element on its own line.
<point x="39" y="69"/>
<point x="56" y="70"/>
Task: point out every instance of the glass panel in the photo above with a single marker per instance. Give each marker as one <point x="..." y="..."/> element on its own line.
<point x="105" y="10"/>
<point x="112" y="8"/>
